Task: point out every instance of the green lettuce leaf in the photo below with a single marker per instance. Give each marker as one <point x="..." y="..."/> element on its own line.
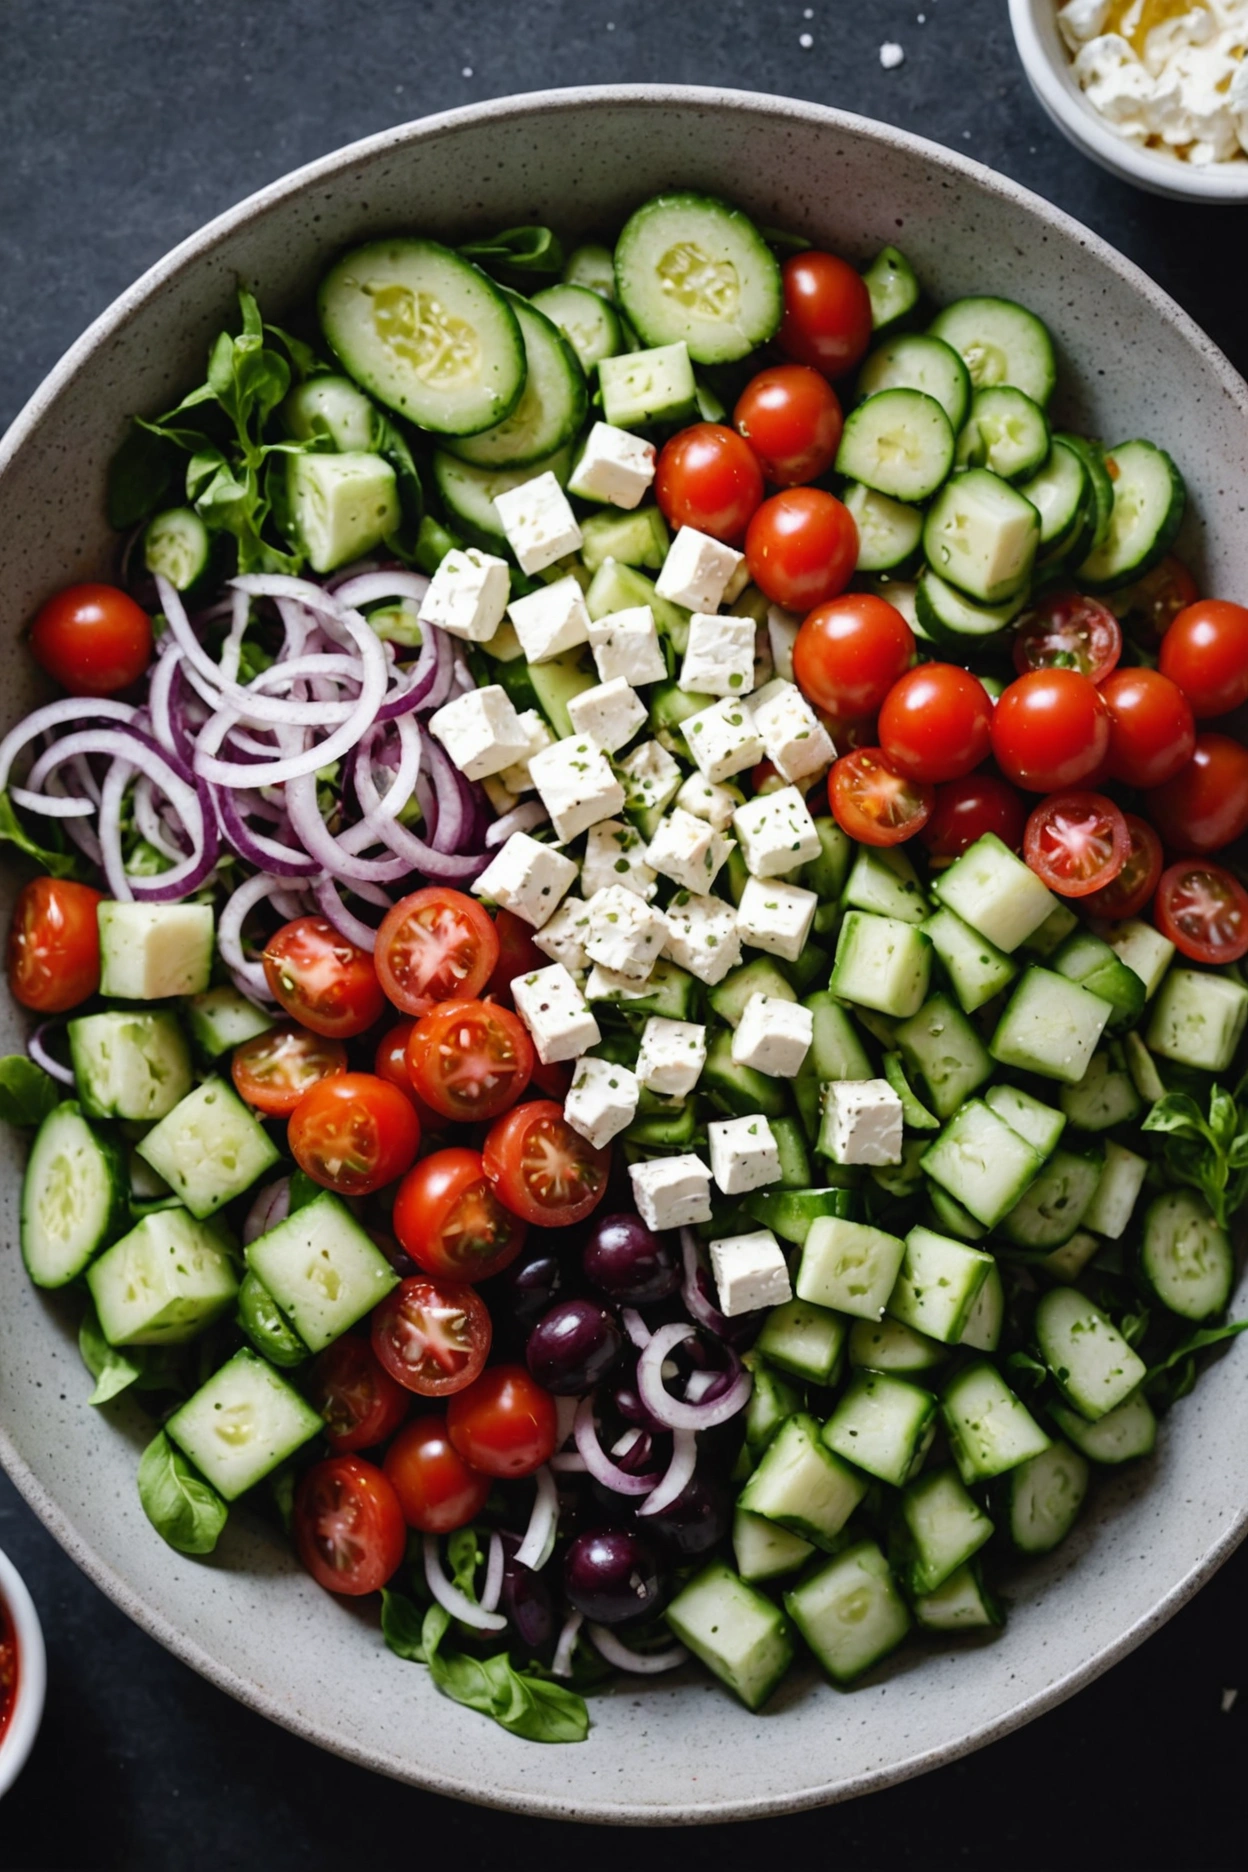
<point x="55" y="860"/>
<point x="27" y="1093"/>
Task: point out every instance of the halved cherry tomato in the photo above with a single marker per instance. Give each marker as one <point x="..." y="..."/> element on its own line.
<point x="354" y="1133"/>
<point x="517" y="953"/>
<point x="1203" y="911"/>
<point x="348" y="1526"/>
<point x="322" y="978"/>
<point x="390" y="1058"/>
<point x="1151" y="731"/>
<point x="850" y="652"/>
<point x="936" y="722"/>
<point x="470" y="1059"/>
<point x="92" y="639"/>
<point x="274" y="1070"/>
<point x="1050" y="730"/>
<point x="54" y="944"/>
<point x="791" y="417"/>
<point x="1157" y="599"/>
<point x="449" y="1220"/>
<point x="437" y="944"/>
<point x="541" y="1168"/>
<point x="802" y="547"/>
<point x="1065" y="630"/>
<point x="436" y="1489"/>
<point x="554" y="1078"/>
<point x="1205" y="806"/>
<point x="505" y="1424"/>
<point x="1134" y="885"/>
<point x="1205" y="651"/>
<point x="827" y="313"/>
<point x="359" y="1400"/>
<point x="965" y="809"/>
<point x="1076" y="842"/>
<point x="708" y="477"/>
<point x="432" y="1336"/>
<point x="874" y="801"/>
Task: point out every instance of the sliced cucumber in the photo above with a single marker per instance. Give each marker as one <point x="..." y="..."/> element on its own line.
<point x="693" y="268"/>
<point x="552" y="405"/>
<point x="919" y="363"/>
<point x="1149" y="498"/>
<point x="981" y="535"/>
<point x="850" y="1612"/>
<point x="241" y="1424"/>
<point x="1000" y="342"/>
<point x="177" y="546"/>
<point x="898" y="442"/>
<point x="1185" y="1257"/>
<point x="591" y="265"/>
<point x="888" y="531"/>
<point x="891" y="287"/>
<point x="1094" y="1367"/>
<point x="468" y="492"/>
<point x="589" y="322"/>
<point x="1102" y="488"/>
<point x="1006" y="432"/>
<point x="1042" y="1498"/>
<point x="73" y="1198"/>
<point x="1060" y="492"/>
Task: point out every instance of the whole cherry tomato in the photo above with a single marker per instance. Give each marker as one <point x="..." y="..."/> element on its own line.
<point x="1151" y="731"/>
<point x="936" y="722"/>
<point x="965" y="809"/>
<point x="827" y="313"/>
<point x="92" y="639"/>
<point x="791" y="418"/>
<point x="54" y="944"/>
<point x="802" y="547"/>
<point x="1205" y="805"/>
<point x="435" y="1488"/>
<point x="1205" y="651"/>
<point x="850" y="652"/>
<point x="504" y="1424"/>
<point x="1050" y="730"/>
<point x="709" y="478"/>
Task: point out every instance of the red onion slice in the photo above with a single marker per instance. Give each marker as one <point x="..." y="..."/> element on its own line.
<point x="678" y="1475"/>
<point x="519" y="819"/>
<point x="335" y="911"/>
<point x="271" y="1206"/>
<point x="696" y="1303"/>
<point x="561" y="1663"/>
<point x="539" y="1539"/>
<point x="255" y="848"/>
<point x="376" y="587"/>
<point x="672" y="1412"/>
<point x="451" y="1599"/>
<point x="640" y="1663"/>
<point x="597" y="1461"/>
<point x="492" y="1590"/>
<point x="635" y="1327"/>
<point x="71" y="708"/>
<point x="36" y="1047"/>
<point x="249" y="975"/>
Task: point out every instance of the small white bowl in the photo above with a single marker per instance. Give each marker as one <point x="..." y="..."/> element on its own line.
<point x="1048" y="67"/>
<point x="32" y="1675"/>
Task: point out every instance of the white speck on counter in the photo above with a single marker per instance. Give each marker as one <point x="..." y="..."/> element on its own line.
<point x="467" y="72"/>
<point x="808" y="12"/>
<point x="1228" y="1701"/>
<point x="891" y="55"/>
<point x="805" y="41"/>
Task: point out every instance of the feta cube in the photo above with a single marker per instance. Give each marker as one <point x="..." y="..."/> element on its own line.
<point x="688" y="850"/>
<point x="775" y="916"/>
<point x="650" y="777"/>
<point x="562" y="936"/>
<point x="467" y="595"/>
<point x="798" y="745"/>
<point x="614" y="466"/>
<point x="517" y="779"/>
<point x="863" y="1119"/>
<point x="556" y="1014"/>
<point x="615" y="853"/>
<point x="776" y="831"/>
<point x="539" y="524"/>
<point x="671" y="1056"/>
<point x="723" y="739"/>
<point x="576" y="785"/>
<point x="744" y="1154"/>
<point x="702" y="936"/>
<point x="719" y="659"/>
<point x="782" y="629"/>
<point x="696" y="570"/>
<point x="605" y="984"/>
<point x="601" y="1101"/>
<point x="626" y="643"/>
<point x="527" y="878"/>
<point x="481" y="732"/>
<point x="551" y="619"/>
<point x="671" y="1192"/>
<point x="750" y="1273"/>
<point x="609" y="714"/>
<point x="773" y="1036"/>
<point x="625" y="934"/>
<point x="715" y="804"/>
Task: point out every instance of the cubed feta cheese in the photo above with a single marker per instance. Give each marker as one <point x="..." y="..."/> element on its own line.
<point x="562" y="937"/>
<point x="775" y="916"/>
<point x="615" y="853"/>
<point x="723" y="739"/>
<point x="601" y="1101"/>
<point x="650" y="777"/>
<point x="773" y="1036"/>
<point x="798" y="745"/>
<point x="671" y="1056"/>
<point x="609" y="714"/>
<point x="715" y="804"/>
<point x="606" y="984"/>
<point x="697" y="570"/>
<point x="481" y="732"/>
<point x="750" y="1273"/>
<point x="864" y="1121"/>
<point x="671" y="1192"/>
<point x="702" y="936"/>
<point x="517" y="779"/>
<point x="614" y="466"/>
<point x="688" y="850"/>
<point x="626" y="643"/>
<point x="744" y="1154"/>
<point x="556" y="1014"/>
<point x="467" y="595"/>
<point x="576" y="785"/>
<point x="782" y="629"/>
<point x="776" y="831"/>
<point x="539" y="524"/>
<point x="551" y="619"/>
<point x="625" y="934"/>
<point x="527" y="878"/>
<point x="719" y="659"/>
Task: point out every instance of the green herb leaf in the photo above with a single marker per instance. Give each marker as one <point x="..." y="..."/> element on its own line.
<point x="517" y="250"/>
<point x="1210" y="1154"/>
<point x="27" y="1093"/>
<point x="139" y="475"/>
<point x="402" y="1624"/>
<point x="304" y="360"/>
<point x="1199" y="1341"/>
<point x="57" y="862"/>
<point x="113" y="1370"/>
<point x="184" y="1509"/>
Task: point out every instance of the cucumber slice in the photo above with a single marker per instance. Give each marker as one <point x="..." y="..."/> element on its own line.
<point x="888" y="1346"/>
<point x="981" y="535"/>
<point x="990" y="1430"/>
<point x="73" y="1198"/>
<point x="333" y="409"/>
<point x="891" y="287"/>
<point x="469" y="492"/>
<point x="164" y="1282"/>
<point x="801" y="1485"/>
<point x="221" y="1018"/>
<point x="1102" y="488"/>
<point x="898" y="442"/>
<point x="963" y="1603"/>
<point x="340" y="507"/>
<point x="1042" y="1499"/>
<point x="134" y="1066"/>
<point x="1149" y="498"/>
<point x="1059" y="492"/>
<point x="850" y="1612"/>
<point x="321" y="1268"/>
<point x="177" y="546"/>
<point x="1000" y="342"/>
<point x="737" y="1632"/>
<point x="982" y="1163"/>
<point x="763" y="1550"/>
<point x="1185" y="1257"/>
<point x="919" y="363"/>
<point x="939" y="1283"/>
<point x="885" y="882"/>
<point x="888" y="531"/>
<point x="588" y="321"/>
<point x="948" y="616"/>
<point x="209" y="1148"/>
<point x="940" y="1527"/>
<point x="593" y="266"/>
<point x="552" y="405"/>
<point x="1054" y="1206"/>
<point x="1120" y="1436"/>
<point x="693" y="268"/>
<point x="1198" y="1019"/>
<point x="239" y="1426"/>
<point x="1005" y="432"/>
<point x="1094" y="1367"/>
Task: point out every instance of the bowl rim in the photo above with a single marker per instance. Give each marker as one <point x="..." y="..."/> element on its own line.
<point x="32" y="1675"/>
<point x="186" y="253"/>
<point x="1048" y="69"/>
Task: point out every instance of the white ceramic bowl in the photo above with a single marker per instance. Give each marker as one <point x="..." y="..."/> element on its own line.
<point x="677" y="1750"/>
<point x="1048" y="67"/>
<point x="32" y="1672"/>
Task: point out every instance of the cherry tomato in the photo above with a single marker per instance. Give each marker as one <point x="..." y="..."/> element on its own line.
<point x="554" y="1078"/>
<point x="322" y="979"/>
<point x="1065" y="630"/>
<point x="708" y="477"/>
<point x="470" y="1059"/>
<point x="1205" y="651"/>
<point x="1050" y="730"/>
<point x="54" y="944"/>
<point x="541" y="1168"/>
<point x="390" y="1058"/>
<point x="791" y="418"/>
<point x="354" y="1133"/>
<point x="505" y="1424"/>
<point x="1157" y="599"/>
<point x="1076" y="842"/>
<point x="437" y="944"/>
<point x="874" y="801"/>
<point x="966" y="809"/>
<point x="802" y="547"/>
<point x="849" y="653"/>
<point x="436" y="1489"/>
<point x="432" y="1336"/>
<point x="273" y="1071"/>
<point x="1205" y="806"/>
<point x="1203" y="910"/>
<point x="449" y="1220"/>
<point x="1151" y="731"/>
<point x="936" y="722"/>
<point x="92" y="639"/>
<point x="827" y="313"/>
<point x="348" y="1526"/>
<point x="517" y="953"/>
<point x="1134" y="885"/>
<point x="359" y="1400"/>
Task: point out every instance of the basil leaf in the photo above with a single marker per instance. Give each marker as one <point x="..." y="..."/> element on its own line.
<point x="529" y="1707"/>
<point x="56" y="862"/>
<point x="185" y="1510"/>
<point x="114" y="1371"/>
<point x="402" y="1625"/>
<point x="139" y="475"/>
<point x="517" y="250"/>
<point x="1199" y="1341"/>
<point x="27" y="1093"/>
<point x="1176" y="1112"/>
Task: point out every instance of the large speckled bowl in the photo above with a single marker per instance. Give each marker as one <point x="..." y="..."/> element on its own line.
<point x="676" y="1750"/>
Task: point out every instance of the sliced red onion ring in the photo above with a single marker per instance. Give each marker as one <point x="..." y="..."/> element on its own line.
<point x="569" y="1462"/>
<point x="335" y="911"/>
<point x="70" y="708"/>
<point x="597" y="1461"/>
<point x="565" y="1419"/>
<point x="456" y="811"/>
<point x="254" y="848"/>
<point x="232" y="648"/>
<point x="451" y="1599"/>
<point x="561" y="1663"/>
<point x="519" y="819"/>
<point x="539" y="1539"/>
<point x="150" y="823"/>
<point x="36" y="1047"/>
<point x="635" y="1327"/>
<point x="492" y="1590"/>
<point x="640" y="1663"/>
<point x="672" y="1412"/>
<point x="249" y="975"/>
<point x="271" y="1206"/>
<point x="319" y="842"/>
<point x="375" y="587"/>
<point x="678" y="1476"/>
<point x="696" y="1303"/>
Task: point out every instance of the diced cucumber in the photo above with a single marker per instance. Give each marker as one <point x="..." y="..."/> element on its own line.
<point x="882" y="963"/>
<point x="210" y="1148"/>
<point x="340" y="507"/>
<point x="891" y="287"/>
<point x="790" y="1214"/>
<point x="1085" y="959"/>
<point x="963" y="1603"/>
<point x="1060" y="493"/>
<point x="826" y="874"/>
<point x="468" y="493"/>
<point x="1143" y="1069"/>
<point x="619" y="587"/>
<point x="889" y="531"/>
<point x="953" y="1218"/>
<point x="948" y="616"/>
<point x="791" y="1150"/>
<point x="261" y="1320"/>
<point x="669" y="991"/>
<point x="940" y="1527"/>
<point x="850" y="1612"/>
<point x="648" y="387"/>
<point x="177" y="546"/>
<point x="836" y="1052"/>
<point x="882" y="1424"/>
<point x="1104" y="1097"/>
<point x="741" y="1090"/>
<point x="806" y="1340"/>
<point x="940" y="1043"/>
<point x="149" y="952"/>
<point x="990" y="1430"/>
<point x="914" y="361"/>
<point x="322" y="1269"/>
<point x="899" y="443"/>
<point x="938" y="1285"/>
<point x="982" y="1162"/>
<point x="552" y="405"/>
<point x="884" y="881"/>
<point x="1050" y="1026"/>
<point x="1146" y="952"/>
<point x="1005" y="432"/>
<point x="587" y="319"/>
<point x="331" y="409"/>
<point x="164" y="1282"/>
<point x="591" y="265"/>
<point x="1037" y="1122"/>
<point x="239" y="1426"/>
<point x="982" y="1332"/>
<point x="763" y="1549"/>
<point x="690" y="268"/>
<point x="1091" y="1362"/>
<point x="1056" y="1202"/>
<point x="738" y="1633"/>
<point x="639" y="538"/>
<point x="1121" y="1182"/>
<point x="914" y="1113"/>
<point x="849" y="1267"/>
<point x="886" y="1345"/>
<point x="772" y="1402"/>
<point x="1185" y="1257"/>
<point x="1198" y="1019"/>
<point x="74" y="1197"/>
<point x="1042" y="1499"/>
<point x="1066" y="1264"/>
<point x="995" y="892"/>
<point x="221" y="1019"/>
<point x="134" y="1066"/>
<point x="761" y="976"/>
<point x="1000" y="342"/>
<point x="982" y="535"/>
<point x="1056" y="927"/>
<point x="1149" y="499"/>
<point x="1120" y="1436"/>
<point x="801" y="1484"/>
<point x="976" y="968"/>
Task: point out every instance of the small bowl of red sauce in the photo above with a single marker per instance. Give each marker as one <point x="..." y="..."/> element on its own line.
<point x="23" y="1674"/>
